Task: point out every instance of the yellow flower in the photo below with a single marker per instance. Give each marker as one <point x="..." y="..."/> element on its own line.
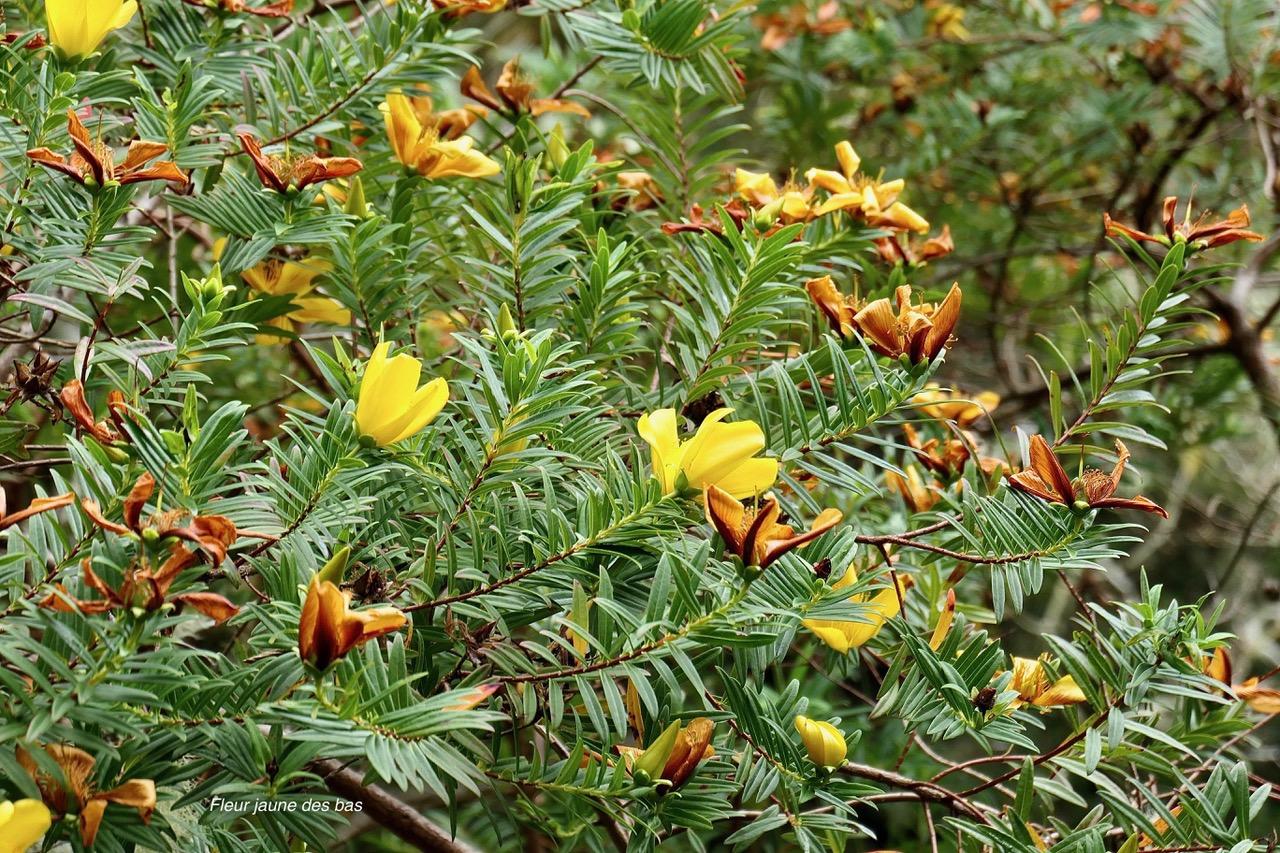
<point x="874" y="200"/>
<point x="843" y="635"/>
<point x="77" y="27"/>
<point x="295" y="279"/>
<point x="1033" y="686"/>
<point x="719" y="454"/>
<point x="390" y="410"/>
<point x="946" y="22"/>
<point x="418" y="145"/>
<point x="823" y="741"/>
<point x="22" y="824"/>
<point x="788" y="204"/>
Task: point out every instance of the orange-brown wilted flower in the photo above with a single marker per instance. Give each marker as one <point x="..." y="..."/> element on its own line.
<point x="781" y="27"/>
<point x="329" y="628"/>
<point x="93" y="162"/>
<point x="919" y="331"/>
<point x="462" y="8"/>
<point x="1259" y="698"/>
<point x="37" y="506"/>
<point x="674" y="755"/>
<point x="946" y="405"/>
<point x="1032" y="684"/>
<point x="277" y="9"/>
<point x="36" y="41"/>
<point x="107" y="432"/>
<point x="75" y="792"/>
<point x="901" y="248"/>
<point x="698" y="222"/>
<point x="944" y="458"/>
<point x="289" y="174"/>
<point x="1047" y="480"/>
<point x="918" y="495"/>
<point x="212" y="533"/>
<point x="755" y="534"/>
<point x="1200" y="234"/>
<point x="142" y="588"/>
<point x="837" y="307"/>
<point x="515" y="93"/>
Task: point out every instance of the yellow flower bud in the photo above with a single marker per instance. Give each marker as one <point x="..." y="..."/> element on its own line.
<point x="823" y="741"/>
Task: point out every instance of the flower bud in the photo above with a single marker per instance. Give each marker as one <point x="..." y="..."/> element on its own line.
<point x="823" y="741"/>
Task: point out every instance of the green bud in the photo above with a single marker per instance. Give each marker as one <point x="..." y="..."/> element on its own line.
<point x="631" y="20"/>
<point x="368" y="441"/>
<point x="653" y="760"/>
<point x="336" y="568"/>
<point x="506" y="323"/>
<point x="356" y="205"/>
<point x="150" y="535"/>
<point x="557" y="148"/>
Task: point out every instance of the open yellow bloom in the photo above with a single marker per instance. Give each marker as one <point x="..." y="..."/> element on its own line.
<point x="1033" y="686"/>
<point x="418" y="145"/>
<point x="788" y="204"/>
<point x="295" y="279"/>
<point x="823" y="741"/>
<point x="874" y="200"/>
<point x="22" y="824"/>
<point x="390" y="409"/>
<point x="842" y="635"/>
<point x="77" y="27"/>
<point x="719" y="454"/>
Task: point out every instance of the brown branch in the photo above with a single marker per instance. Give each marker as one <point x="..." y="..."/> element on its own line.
<point x="404" y="822"/>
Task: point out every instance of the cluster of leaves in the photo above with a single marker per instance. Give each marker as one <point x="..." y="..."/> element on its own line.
<point x="560" y="604"/>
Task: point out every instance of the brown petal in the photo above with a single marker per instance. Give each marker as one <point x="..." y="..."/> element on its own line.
<point x="832" y="303"/>
<point x="137" y="500"/>
<point x="1264" y="699"/>
<point x="1138" y="503"/>
<point x="879" y="327"/>
<point x="37" y="506"/>
<point x="90" y="820"/>
<point x="314" y="169"/>
<point x="266" y="174"/>
<point x="692" y="745"/>
<point x="47" y="158"/>
<point x="161" y="171"/>
<point x="73" y="399"/>
<point x="826" y="520"/>
<point x="1113" y="228"/>
<point x="514" y="88"/>
<point x="473" y="87"/>
<point x="140" y="153"/>
<point x="1169" y="212"/>
<point x="94" y="512"/>
<point x="214" y="533"/>
<point x="1046" y="464"/>
<point x="180" y="559"/>
<point x="763" y="528"/>
<point x="539" y="106"/>
<point x="137" y="794"/>
<point x="91" y="159"/>
<point x="209" y="604"/>
<point x="944" y="320"/>
<point x="726" y="514"/>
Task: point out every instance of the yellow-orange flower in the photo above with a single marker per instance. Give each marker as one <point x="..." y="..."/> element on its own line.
<point x="75" y="792"/>
<point x="1032" y="684"/>
<point x="873" y="200"/>
<point x="788" y="204"/>
<point x="755" y="535"/>
<point x="823" y="741"/>
<point x="919" y="331"/>
<point x="918" y="495"/>
<point x="842" y="634"/>
<point x="329" y="628"/>
<point x="719" y="454"/>
<point x="390" y="409"/>
<point x="77" y="27"/>
<point x="295" y="279"/>
<point x="418" y="144"/>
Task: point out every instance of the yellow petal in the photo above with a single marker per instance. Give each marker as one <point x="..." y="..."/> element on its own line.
<point x="1064" y="691"/>
<point x="425" y="405"/>
<point x="22" y="824"/>
<point x="824" y="742"/>
<point x="849" y="159"/>
<point x="659" y="431"/>
<point x="832" y="182"/>
<point x="842" y="201"/>
<point x="830" y="632"/>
